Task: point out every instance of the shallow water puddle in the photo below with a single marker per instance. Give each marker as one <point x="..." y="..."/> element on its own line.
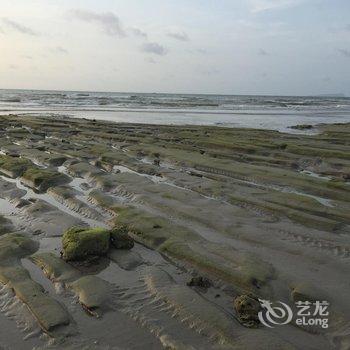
<point x="6" y="207"/>
<point x="321" y="200"/>
<point x="313" y="174"/>
<point x="49" y="199"/>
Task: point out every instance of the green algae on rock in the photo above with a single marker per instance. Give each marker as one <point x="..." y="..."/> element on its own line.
<point x="80" y="242"/>
<point x="49" y="312"/>
<point x="13" y="166"/>
<point x="42" y="179"/>
<point x="14" y="246"/>
<point x="5" y="225"/>
<point x="92" y="291"/>
<point x="68" y="197"/>
<point x="247" y="308"/>
<point x="246" y="272"/>
<point x="54" y="268"/>
<point x="120" y="238"/>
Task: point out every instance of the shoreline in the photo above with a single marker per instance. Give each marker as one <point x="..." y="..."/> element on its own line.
<point x="255" y="211"/>
<point x="283" y="124"/>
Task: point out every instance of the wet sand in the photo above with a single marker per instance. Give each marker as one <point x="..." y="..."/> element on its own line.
<point x="257" y="212"/>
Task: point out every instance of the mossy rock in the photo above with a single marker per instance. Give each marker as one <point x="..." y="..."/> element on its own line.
<point x="13" y="166"/>
<point x="92" y="291"/>
<point x="80" y="242"/>
<point x="54" y="268"/>
<point x="5" y="225"/>
<point x="83" y="169"/>
<point x="49" y="312"/>
<point x="306" y="291"/>
<point x="42" y="179"/>
<point x="247" y="308"/>
<point x="101" y="199"/>
<point x="120" y="238"/>
<point x="57" y="160"/>
<point x="63" y="192"/>
<point x="302" y="127"/>
<point x="14" y="246"/>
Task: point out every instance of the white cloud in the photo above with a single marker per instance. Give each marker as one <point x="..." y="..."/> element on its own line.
<point x="267" y="5"/>
<point x="138" y="32"/>
<point x="59" y="49"/>
<point x="182" y="36"/>
<point x="263" y="52"/>
<point x="154" y="48"/>
<point x="344" y="52"/>
<point x="18" y="27"/>
<point x="108" y="21"/>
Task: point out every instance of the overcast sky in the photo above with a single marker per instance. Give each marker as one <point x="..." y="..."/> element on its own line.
<point x="284" y="47"/>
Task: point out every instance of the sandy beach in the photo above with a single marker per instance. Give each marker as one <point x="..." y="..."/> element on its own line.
<point x="216" y="219"/>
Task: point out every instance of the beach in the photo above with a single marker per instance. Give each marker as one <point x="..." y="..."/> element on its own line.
<point x="247" y="111"/>
<point x="219" y="218"/>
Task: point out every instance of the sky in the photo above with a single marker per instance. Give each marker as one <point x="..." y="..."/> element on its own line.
<point x="279" y="47"/>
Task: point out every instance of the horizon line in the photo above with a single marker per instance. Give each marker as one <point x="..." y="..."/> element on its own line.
<point x="334" y="95"/>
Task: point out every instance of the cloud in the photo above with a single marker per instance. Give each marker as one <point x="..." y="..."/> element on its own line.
<point x="108" y="21"/>
<point x="150" y="60"/>
<point x="344" y="52"/>
<point x="262" y="52"/>
<point x="138" y="32"/>
<point x="182" y="36"/>
<point x="59" y="49"/>
<point x="20" y="28"/>
<point x="202" y="51"/>
<point x="154" y="48"/>
<point x="268" y="5"/>
<point x="207" y="71"/>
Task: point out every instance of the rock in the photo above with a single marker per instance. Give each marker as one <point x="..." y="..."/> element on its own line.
<point x="13" y="166"/>
<point x="48" y="311"/>
<point x="5" y="225"/>
<point x="92" y="291"/>
<point x="120" y="239"/>
<point x="307" y="291"/>
<point x="79" y="242"/>
<point x="302" y="127"/>
<point x="57" y="160"/>
<point x="84" y="186"/>
<point x="55" y="268"/>
<point x="15" y="246"/>
<point x="20" y="203"/>
<point x="247" y="309"/>
<point x="194" y="173"/>
<point x="42" y="179"/>
<point x="199" y="281"/>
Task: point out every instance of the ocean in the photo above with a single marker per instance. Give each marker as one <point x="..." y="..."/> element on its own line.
<point x="267" y="112"/>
